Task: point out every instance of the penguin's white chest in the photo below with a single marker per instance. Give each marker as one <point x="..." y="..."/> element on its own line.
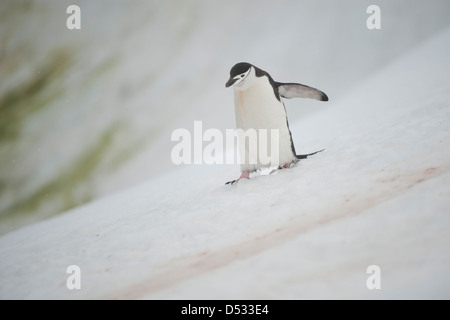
<point x="258" y="108"/>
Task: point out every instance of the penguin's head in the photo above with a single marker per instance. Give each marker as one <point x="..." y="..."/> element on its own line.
<point x="241" y="76"/>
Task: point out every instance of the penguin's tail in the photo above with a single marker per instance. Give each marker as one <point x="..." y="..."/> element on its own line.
<point x="304" y="156"/>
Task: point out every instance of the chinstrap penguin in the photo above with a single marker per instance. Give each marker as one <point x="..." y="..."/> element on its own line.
<point x="258" y="105"/>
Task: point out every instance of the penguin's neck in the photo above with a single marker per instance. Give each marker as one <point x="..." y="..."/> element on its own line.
<point x="259" y="93"/>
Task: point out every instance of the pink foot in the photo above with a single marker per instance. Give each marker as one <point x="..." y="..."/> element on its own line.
<point x="285" y="166"/>
<point x="244" y="175"/>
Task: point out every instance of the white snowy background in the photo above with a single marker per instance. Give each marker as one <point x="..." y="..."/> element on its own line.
<point x="96" y="110"/>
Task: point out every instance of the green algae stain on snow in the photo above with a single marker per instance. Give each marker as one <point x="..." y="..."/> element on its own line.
<point x="19" y="103"/>
<point x="67" y="190"/>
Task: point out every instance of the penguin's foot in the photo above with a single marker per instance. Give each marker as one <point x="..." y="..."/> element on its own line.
<point x="288" y="165"/>
<point x="244" y="175"/>
<point x="285" y="166"/>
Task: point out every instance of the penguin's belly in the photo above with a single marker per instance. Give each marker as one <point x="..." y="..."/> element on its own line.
<point x="257" y="108"/>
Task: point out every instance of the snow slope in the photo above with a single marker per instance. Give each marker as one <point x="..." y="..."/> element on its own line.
<point x="379" y="195"/>
<point x="111" y="93"/>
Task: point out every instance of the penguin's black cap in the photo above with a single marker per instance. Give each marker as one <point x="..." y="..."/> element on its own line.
<point x="237" y="69"/>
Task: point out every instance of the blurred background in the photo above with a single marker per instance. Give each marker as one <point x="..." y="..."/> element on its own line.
<point x="86" y="113"/>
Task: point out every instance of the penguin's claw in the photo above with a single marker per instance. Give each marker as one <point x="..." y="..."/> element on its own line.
<point x="285" y="166"/>
<point x="244" y="175"/>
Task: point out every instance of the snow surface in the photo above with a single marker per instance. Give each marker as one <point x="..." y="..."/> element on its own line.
<point x="379" y="195"/>
<point x="133" y="74"/>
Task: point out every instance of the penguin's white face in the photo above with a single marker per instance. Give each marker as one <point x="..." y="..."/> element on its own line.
<point x="241" y="76"/>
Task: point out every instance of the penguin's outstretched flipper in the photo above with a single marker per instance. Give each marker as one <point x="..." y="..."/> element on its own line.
<point x="304" y="156"/>
<point x="297" y="90"/>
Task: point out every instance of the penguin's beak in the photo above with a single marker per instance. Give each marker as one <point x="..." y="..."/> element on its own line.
<point x="230" y="82"/>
